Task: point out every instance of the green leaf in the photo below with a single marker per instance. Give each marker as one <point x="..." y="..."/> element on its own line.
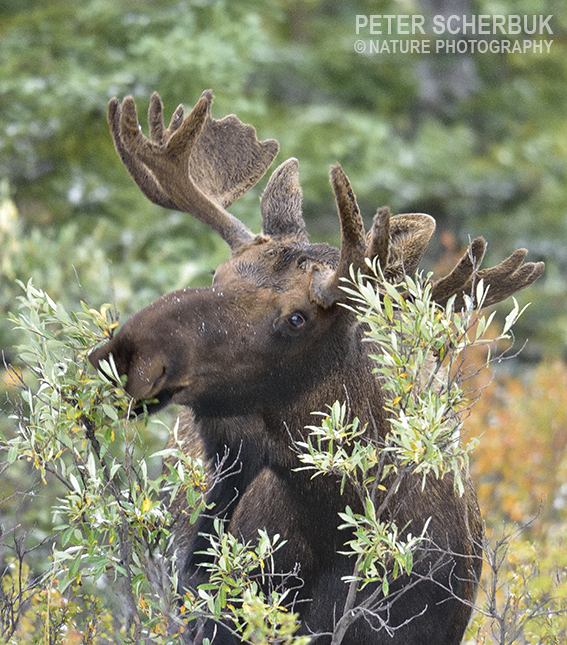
<point x="408" y="563"/>
<point x="12" y="453"/>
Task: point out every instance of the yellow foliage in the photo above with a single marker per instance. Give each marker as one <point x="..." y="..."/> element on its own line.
<point x="520" y="472"/>
<point x="521" y="462"/>
<point x="48" y="616"/>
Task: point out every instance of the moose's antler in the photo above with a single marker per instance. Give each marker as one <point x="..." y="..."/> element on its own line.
<point x="197" y="165"/>
<point x="399" y="243"/>
<point x="325" y="287"/>
<point x="201" y="166"/>
<point x="502" y="280"/>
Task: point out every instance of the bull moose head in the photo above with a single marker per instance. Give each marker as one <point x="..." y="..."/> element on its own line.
<point x="254" y="354"/>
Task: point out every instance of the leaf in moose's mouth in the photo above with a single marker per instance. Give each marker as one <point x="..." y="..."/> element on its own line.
<point x="153" y="405"/>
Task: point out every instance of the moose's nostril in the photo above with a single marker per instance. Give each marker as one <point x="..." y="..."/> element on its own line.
<point x="146" y="377"/>
<point x="160" y="381"/>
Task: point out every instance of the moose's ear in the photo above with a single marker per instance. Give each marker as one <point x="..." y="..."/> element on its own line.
<point x="409" y="238"/>
<point x="281" y="204"/>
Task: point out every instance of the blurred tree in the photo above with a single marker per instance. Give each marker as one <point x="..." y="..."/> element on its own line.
<point x="487" y="160"/>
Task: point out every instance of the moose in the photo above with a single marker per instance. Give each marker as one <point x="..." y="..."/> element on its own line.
<point x="268" y="343"/>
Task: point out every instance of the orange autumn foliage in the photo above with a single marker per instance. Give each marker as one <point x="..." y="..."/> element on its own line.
<point x="521" y="461"/>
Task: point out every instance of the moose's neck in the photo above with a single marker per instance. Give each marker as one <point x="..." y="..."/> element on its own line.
<point x="343" y="374"/>
<point x="346" y="376"/>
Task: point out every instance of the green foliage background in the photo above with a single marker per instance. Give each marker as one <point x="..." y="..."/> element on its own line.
<point x="479" y="142"/>
<point x="484" y="155"/>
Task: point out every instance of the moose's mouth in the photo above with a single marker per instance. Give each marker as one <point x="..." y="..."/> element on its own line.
<point x="156" y="403"/>
<point x="149" y="395"/>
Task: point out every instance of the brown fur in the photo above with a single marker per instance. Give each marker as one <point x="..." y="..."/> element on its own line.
<point x="269" y="343"/>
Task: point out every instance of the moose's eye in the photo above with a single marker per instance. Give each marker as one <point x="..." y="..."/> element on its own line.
<point x="295" y="320"/>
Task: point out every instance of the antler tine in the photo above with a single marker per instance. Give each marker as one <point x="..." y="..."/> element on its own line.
<point x="353" y="237"/>
<point x="507" y="278"/>
<point x="399" y="242"/>
<point x="197" y="165"/>
<point x="520" y="279"/>
<point x="158" y="133"/>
